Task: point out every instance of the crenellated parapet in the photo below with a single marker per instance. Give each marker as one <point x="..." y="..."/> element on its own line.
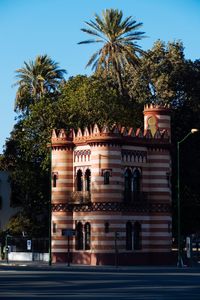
<point x="152" y="106"/>
<point x="106" y="134"/>
<point x="62" y="138"/>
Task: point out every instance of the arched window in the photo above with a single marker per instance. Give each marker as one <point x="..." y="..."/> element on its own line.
<point x="137" y="236"/>
<point x="128" y="180"/>
<point x="87" y="180"/>
<point x="136" y="181"/>
<point x="79" y="236"/>
<point x="106" y="177"/>
<point x="128" y="185"/>
<point x="87" y="236"/>
<point x="55" y="177"/>
<point x="128" y="235"/>
<point x="79" y="180"/>
<point x="54" y="180"/>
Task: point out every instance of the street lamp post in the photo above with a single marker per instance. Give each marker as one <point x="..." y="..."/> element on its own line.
<point x="50" y="216"/>
<point x="180" y="261"/>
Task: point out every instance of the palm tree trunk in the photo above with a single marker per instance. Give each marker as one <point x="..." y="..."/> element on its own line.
<point x="120" y="83"/>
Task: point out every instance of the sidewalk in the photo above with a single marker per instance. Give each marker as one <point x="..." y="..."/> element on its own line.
<point x="106" y="268"/>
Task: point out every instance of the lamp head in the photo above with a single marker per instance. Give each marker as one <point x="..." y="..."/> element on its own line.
<point x="194" y="130"/>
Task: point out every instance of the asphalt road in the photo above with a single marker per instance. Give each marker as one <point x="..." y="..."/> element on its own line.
<point x="43" y="282"/>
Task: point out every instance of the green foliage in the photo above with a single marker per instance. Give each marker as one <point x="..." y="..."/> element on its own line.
<point x="21" y="224"/>
<point x="36" y="79"/>
<point x="119" y="38"/>
<point x="160" y="77"/>
<point x="86" y="101"/>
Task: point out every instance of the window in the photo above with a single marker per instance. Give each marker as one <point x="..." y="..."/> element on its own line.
<point x="136" y="181"/>
<point x="106" y="176"/>
<point x="79" y="180"/>
<point x="55" y="177"/>
<point x="128" y="180"/>
<point x="87" y="236"/>
<point x="137" y="236"/>
<point x="128" y="185"/>
<point x="128" y="235"/>
<point x="87" y="180"/>
<point x="107" y="227"/>
<point x="54" y="228"/>
<point x="79" y="236"/>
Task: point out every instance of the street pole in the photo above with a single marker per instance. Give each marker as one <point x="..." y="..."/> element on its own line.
<point x="50" y="216"/>
<point x="68" y="251"/>
<point x="180" y="260"/>
<point x="6" y="249"/>
<point x="116" y="249"/>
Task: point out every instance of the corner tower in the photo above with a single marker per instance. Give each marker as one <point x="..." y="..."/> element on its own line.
<point x="157" y="117"/>
<point x="61" y="190"/>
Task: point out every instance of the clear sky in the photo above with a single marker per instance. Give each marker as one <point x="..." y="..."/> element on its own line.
<point x="32" y="27"/>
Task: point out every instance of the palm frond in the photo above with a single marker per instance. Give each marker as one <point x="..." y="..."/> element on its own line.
<point x="120" y="38"/>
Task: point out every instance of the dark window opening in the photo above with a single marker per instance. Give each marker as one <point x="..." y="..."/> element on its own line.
<point x="87" y="236"/>
<point x="79" y="180"/>
<point x="107" y="227"/>
<point x="54" y="227"/>
<point x="87" y="180"/>
<point x="79" y="236"/>
<point x="106" y="177"/>
<point x="137" y="236"/>
<point x="128" y="180"/>
<point x="54" y="180"/>
<point x="129" y="235"/>
<point x="136" y="181"/>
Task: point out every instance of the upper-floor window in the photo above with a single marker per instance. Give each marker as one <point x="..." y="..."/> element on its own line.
<point x="87" y="180"/>
<point x="55" y="177"/>
<point x="136" y="180"/>
<point x="79" y="179"/>
<point x="128" y="180"/>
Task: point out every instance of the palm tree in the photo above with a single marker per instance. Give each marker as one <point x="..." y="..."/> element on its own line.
<point x="36" y="79"/>
<point x="119" y="38"/>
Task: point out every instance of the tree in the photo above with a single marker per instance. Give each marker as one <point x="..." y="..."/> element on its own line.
<point x="89" y="100"/>
<point x="36" y="79"/>
<point x="119" y="38"/>
<point x="161" y="76"/>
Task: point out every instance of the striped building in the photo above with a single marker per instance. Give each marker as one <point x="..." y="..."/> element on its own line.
<point x="111" y="187"/>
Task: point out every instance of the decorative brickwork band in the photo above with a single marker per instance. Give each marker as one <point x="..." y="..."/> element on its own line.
<point x="114" y="207"/>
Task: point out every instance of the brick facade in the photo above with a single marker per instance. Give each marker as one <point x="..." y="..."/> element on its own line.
<point x="112" y="186"/>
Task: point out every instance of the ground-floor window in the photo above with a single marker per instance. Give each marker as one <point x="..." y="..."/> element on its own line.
<point x="129" y="234"/>
<point x="133" y="236"/>
<point x="87" y="236"/>
<point x="79" y="236"/>
<point x="83" y="236"/>
<point x="137" y="236"/>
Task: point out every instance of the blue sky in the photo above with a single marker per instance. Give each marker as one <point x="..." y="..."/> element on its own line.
<point x="32" y="27"/>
